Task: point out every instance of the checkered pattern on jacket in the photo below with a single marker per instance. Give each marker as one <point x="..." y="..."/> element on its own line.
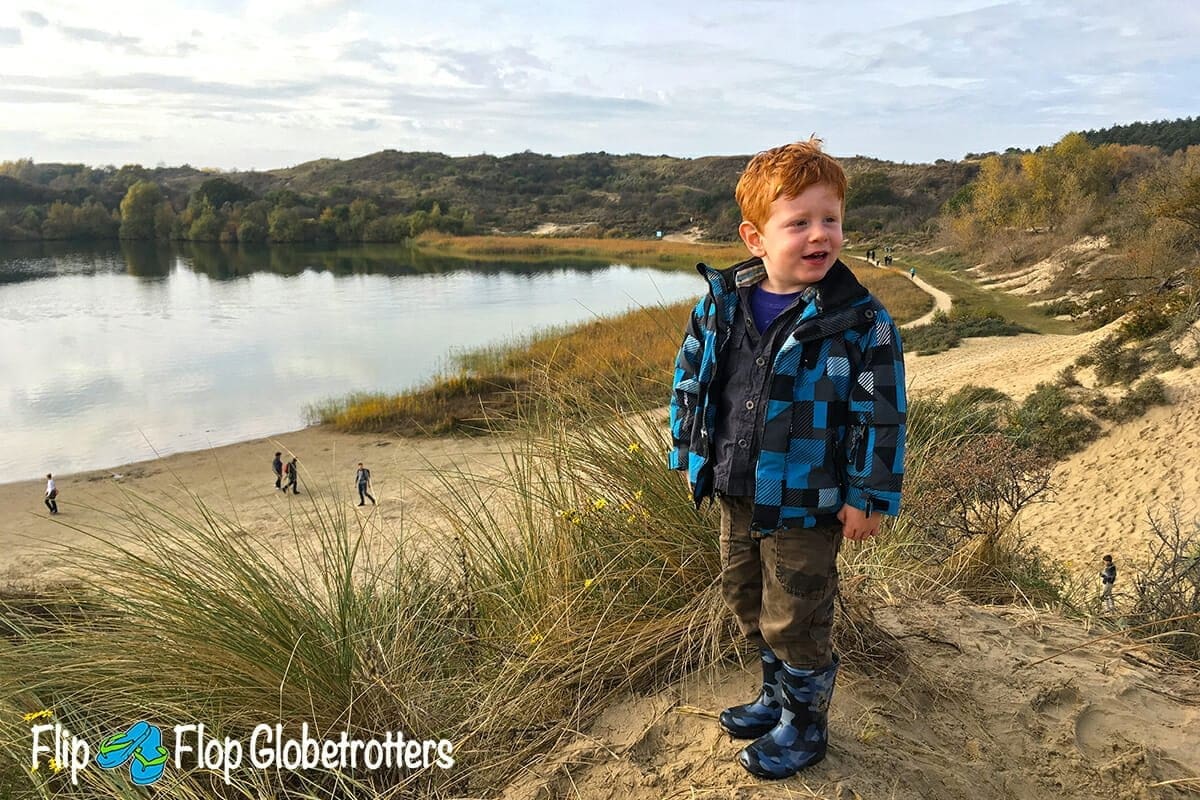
<point x="834" y="426"/>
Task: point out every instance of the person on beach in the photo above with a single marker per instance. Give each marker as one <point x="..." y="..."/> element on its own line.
<point x="789" y="409"/>
<point x="277" y="466"/>
<point x="51" y="499"/>
<point x="1108" y="577"/>
<point x="362" y="478"/>
<point x="291" y="473"/>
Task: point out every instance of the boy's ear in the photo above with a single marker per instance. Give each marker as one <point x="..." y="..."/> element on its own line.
<point x="752" y="238"/>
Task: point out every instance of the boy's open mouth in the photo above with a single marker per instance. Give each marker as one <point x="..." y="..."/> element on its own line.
<point x="816" y="256"/>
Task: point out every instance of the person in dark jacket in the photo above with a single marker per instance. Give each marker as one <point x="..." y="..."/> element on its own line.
<point x="362" y="479"/>
<point x="1108" y="578"/>
<point x="789" y="408"/>
<point x="277" y="466"/>
<point x="291" y="473"/>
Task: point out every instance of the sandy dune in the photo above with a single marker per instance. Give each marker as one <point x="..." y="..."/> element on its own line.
<point x="974" y="716"/>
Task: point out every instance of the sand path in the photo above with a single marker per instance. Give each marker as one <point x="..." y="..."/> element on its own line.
<point x="941" y="300"/>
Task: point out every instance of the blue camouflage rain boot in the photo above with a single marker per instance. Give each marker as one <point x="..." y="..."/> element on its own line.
<point x="752" y="720"/>
<point x="800" y="738"/>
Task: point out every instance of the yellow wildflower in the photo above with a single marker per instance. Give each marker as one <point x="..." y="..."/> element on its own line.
<point x="536" y="638"/>
<point x="599" y="503"/>
<point x="638" y="494"/>
<point x="45" y="713"/>
<point x="54" y="765"/>
<point x="587" y="583"/>
<point x="634" y="447"/>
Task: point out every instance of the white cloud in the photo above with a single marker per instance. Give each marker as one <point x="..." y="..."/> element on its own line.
<point x="270" y="82"/>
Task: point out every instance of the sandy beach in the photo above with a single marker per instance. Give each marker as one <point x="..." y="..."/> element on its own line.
<point x="236" y="481"/>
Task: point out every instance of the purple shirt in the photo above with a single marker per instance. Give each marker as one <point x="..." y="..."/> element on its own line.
<point x="766" y="306"/>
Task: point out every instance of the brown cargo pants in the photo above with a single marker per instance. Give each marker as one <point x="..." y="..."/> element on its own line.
<point x="781" y="588"/>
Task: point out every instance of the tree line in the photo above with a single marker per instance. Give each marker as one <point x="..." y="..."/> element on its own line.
<point x="391" y="195"/>
<point x="1167" y="135"/>
<point x="218" y="210"/>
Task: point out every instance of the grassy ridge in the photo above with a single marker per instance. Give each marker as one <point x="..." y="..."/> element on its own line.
<point x="946" y="272"/>
<point x="491" y="386"/>
<point x="640" y="252"/>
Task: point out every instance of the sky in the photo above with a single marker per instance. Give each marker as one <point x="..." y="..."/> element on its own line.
<point x="261" y="84"/>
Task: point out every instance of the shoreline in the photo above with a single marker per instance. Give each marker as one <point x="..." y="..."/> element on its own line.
<point x="234" y="480"/>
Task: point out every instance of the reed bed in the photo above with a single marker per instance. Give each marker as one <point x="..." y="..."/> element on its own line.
<point x="623" y="360"/>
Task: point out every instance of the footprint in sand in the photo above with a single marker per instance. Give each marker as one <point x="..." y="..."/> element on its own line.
<point x="1099" y="734"/>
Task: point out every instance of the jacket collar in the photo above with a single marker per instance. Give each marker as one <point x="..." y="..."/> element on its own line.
<point x="838" y="288"/>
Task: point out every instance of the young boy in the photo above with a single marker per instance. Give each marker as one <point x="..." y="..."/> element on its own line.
<point x="789" y="408"/>
<point x="1108" y="577"/>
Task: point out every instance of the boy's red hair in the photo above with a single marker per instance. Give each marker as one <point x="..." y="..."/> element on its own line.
<point x="785" y="171"/>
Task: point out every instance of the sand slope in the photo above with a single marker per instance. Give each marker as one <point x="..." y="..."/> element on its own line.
<point x="1105" y="494"/>
<point x="973" y="718"/>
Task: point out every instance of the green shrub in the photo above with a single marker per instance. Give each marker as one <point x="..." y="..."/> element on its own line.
<point x="1045" y="424"/>
<point x="1067" y="377"/>
<point x="947" y="330"/>
<point x="1062" y="307"/>
<point x="1147" y="393"/>
<point x="1116" y="363"/>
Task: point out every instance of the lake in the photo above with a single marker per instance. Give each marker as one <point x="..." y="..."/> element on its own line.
<point x="115" y="353"/>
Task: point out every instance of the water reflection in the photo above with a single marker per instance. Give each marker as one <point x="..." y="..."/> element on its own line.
<point x="22" y="261"/>
<point x="112" y="353"/>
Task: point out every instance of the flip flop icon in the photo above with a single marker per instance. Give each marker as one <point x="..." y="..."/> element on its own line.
<point x="117" y="749"/>
<point x="149" y="759"/>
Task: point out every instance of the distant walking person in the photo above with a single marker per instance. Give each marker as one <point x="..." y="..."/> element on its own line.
<point x="912" y="273"/>
<point x="277" y="465"/>
<point x="1108" y="577"/>
<point x="290" y="471"/>
<point x="51" y="494"/>
<point x="363" y="479"/>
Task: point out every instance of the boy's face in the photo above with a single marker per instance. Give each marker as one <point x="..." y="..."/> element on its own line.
<point x="801" y="239"/>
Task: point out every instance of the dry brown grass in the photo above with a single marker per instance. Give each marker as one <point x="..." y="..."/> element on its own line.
<point x="651" y="252"/>
<point x="636" y="349"/>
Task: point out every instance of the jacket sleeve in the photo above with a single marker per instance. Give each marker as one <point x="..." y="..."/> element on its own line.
<point x="685" y="394"/>
<point x="878" y="410"/>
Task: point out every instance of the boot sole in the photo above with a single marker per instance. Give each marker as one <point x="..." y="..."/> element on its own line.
<point x="758" y="772"/>
<point x="746" y="733"/>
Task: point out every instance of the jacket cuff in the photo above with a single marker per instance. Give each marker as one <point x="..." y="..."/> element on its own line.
<point x="677" y="458"/>
<point x="869" y="502"/>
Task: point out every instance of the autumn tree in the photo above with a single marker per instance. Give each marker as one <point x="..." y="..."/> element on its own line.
<point x="139" y="209"/>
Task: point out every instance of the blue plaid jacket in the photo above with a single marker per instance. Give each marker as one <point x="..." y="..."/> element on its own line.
<point x="832" y="431"/>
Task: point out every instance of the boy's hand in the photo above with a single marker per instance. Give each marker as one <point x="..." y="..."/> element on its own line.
<point x="856" y="525"/>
